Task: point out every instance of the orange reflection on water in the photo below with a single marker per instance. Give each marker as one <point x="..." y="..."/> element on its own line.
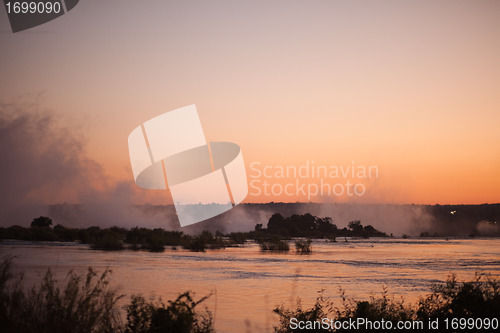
<point x="247" y="284"/>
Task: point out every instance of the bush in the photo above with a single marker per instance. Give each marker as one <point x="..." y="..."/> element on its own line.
<point x="203" y="241"/>
<point x="66" y="234"/>
<point x="195" y="244"/>
<point x="154" y="244"/>
<point x="274" y="244"/>
<point x="107" y="240"/>
<point x="238" y="237"/>
<point x="85" y="304"/>
<point x="43" y="234"/>
<point x="41" y="222"/>
<point x="476" y="299"/>
<point x="303" y="246"/>
<point x="178" y="316"/>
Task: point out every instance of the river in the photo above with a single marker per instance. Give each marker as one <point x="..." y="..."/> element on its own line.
<point x="247" y="284"/>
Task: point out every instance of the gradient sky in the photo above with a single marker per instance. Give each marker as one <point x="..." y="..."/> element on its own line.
<point x="412" y="87"/>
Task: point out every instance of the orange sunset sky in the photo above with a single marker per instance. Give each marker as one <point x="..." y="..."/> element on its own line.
<point x="412" y="87"/>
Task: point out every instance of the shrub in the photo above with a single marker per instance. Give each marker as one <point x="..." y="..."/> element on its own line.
<point x="85" y="304"/>
<point x="476" y="299"/>
<point x="178" y="316"/>
<point x="303" y="246"/>
<point x="203" y="241"/>
<point x="42" y="234"/>
<point x="195" y="244"/>
<point x="154" y="244"/>
<point x="274" y="244"/>
<point x="41" y="222"/>
<point x="238" y="237"/>
<point x="107" y="240"/>
<point x="65" y="234"/>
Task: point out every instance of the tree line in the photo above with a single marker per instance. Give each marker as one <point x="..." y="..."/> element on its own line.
<point x="117" y="238"/>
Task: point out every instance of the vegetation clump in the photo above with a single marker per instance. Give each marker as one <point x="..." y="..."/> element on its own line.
<point x="238" y="238"/>
<point x="41" y="222"/>
<point x="116" y="238"/>
<point x="107" y="240"/>
<point x="272" y="238"/>
<point x="87" y="304"/>
<point x="205" y="240"/>
<point x="155" y="240"/>
<point x="84" y="304"/>
<point x="303" y="246"/>
<point x="275" y="244"/>
<point x="178" y="315"/>
<point x="310" y="226"/>
<point x="479" y="298"/>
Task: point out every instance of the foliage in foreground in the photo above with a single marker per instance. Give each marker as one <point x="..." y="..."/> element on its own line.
<point x="87" y="304"/>
<point x="178" y="316"/>
<point x="479" y="298"/>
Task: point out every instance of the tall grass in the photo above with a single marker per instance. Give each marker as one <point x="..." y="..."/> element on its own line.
<point x="479" y="298"/>
<point x="178" y="315"/>
<point x="87" y="304"/>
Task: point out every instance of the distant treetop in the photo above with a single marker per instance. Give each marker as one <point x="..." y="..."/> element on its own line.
<point x="42" y="221"/>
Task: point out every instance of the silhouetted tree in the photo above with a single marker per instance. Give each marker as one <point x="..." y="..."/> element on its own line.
<point x="325" y="225"/>
<point x="356" y="226"/>
<point x="276" y="223"/>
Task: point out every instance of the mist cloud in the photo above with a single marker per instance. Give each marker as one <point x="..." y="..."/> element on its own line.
<point x="44" y="164"/>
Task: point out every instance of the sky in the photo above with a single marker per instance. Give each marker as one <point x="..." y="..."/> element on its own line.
<point x="409" y="87"/>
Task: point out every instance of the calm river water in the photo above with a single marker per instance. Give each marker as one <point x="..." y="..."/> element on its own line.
<point x="248" y="284"/>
